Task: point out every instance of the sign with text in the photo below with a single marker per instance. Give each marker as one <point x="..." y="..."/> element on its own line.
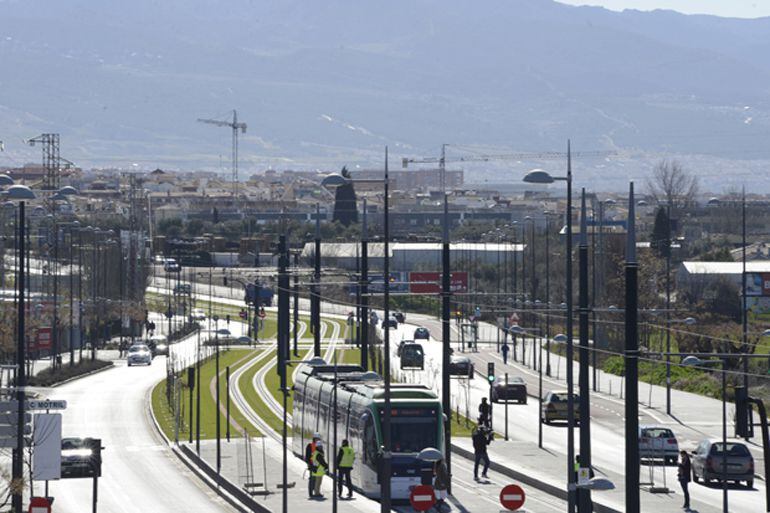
<point x="430" y="282"/>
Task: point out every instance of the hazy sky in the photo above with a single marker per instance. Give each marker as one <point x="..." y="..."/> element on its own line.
<point x="731" y="8"/>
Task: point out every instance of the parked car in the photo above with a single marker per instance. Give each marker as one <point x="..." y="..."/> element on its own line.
<point x="412" y="356"/>
<point x="198" y="314"/>
<point x="555" y="407"/>
<point x="390" y="323"/>
<point x="400" y="317"/>
<point x="658" y="443"/>
<point x="707" y="461"/>
<point x="515" y="390"/>
<point x="139" y="354"/>
<point x="76" y="458"/>
<point x="421" y="334"/>
<point x="461" y="366"/>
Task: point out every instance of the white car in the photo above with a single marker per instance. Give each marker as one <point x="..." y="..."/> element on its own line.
<point x="198" y="314"/>
<point x="139" y="354"/>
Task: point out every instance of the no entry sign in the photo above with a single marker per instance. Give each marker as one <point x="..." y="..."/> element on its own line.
<point x="512" y="497"/>
<point x="422" y="497"/>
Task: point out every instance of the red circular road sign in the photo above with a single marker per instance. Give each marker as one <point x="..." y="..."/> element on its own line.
<point x="39" y="505"/>
<point x="512" y="497"/>
<point x="422" y="497"/>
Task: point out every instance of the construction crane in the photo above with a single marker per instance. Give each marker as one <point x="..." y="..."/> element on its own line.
<point x="549" y="155"/>
<point x="235" y="125"/>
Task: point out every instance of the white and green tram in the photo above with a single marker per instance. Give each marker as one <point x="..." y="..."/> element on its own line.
<point x="416" y="423"/>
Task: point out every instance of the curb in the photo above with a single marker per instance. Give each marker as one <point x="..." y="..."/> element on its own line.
<point x="543" y="486"/>
<point x="79" y="376"/>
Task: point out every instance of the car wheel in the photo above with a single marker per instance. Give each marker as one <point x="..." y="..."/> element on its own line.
<point x="524" y="401"/>
<point x="694" y="476"/>
<point x="750" y="484"/>
<point x="129" y="364"/>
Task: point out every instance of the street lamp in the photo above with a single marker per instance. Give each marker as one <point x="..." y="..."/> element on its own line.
<point x="539" y="176"/>
<point x="695" y="361"/>
<point x="22" y="193"/>
<point x="337" y="180"/>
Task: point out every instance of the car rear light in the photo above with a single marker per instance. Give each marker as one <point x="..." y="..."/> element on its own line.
<point x="671" y="441"/>
<point x="644" y="440"/>
<point x="710" y="463"/>
<point x="751" y="465"/>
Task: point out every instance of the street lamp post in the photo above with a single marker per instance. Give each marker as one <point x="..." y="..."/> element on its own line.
<point x="22" y="193"/>
<point x="539" y="176"/>
<point x="363" y="288"/>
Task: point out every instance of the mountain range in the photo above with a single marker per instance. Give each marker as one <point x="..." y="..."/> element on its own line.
<point x="322" y="84"/>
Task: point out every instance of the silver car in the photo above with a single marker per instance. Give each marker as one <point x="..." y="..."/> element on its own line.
<point x="658" y="443"/>
<point x="708" y="460"/>
<point x="139" y="354"/>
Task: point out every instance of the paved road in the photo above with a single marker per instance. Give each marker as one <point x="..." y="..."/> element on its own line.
<point x="140" y="474"/>
<point x="697" y="418"/>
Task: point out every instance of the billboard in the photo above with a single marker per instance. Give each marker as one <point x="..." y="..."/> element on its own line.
<point x="398" y="284"/>
<point x="42" y="340"/>
<point x="46" y="453"/>
<point x="758" y="284"/>
<point x="430" y="282"/>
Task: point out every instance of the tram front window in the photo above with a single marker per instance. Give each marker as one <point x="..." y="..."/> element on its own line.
<point x="413" y="429"/>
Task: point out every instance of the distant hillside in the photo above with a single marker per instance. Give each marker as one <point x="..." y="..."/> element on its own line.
<point x="322" y="83"/>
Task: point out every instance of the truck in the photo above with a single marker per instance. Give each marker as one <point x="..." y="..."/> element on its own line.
<point x="265" y="295"/>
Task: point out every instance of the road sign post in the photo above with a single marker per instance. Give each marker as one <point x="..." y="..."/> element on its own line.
<point x="512" y="497"/>
<point x="422" y="497"/>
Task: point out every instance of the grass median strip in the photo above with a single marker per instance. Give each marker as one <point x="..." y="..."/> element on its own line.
<point x="235" y="358"/>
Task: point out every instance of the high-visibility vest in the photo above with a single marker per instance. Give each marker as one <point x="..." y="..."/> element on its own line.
<point x="348" y="456"/>
<point x="320" y="470"/>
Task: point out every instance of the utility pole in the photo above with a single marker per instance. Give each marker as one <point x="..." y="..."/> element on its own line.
<point x="283" y="353"/>
<point x="584" y="496"/>
<point x="363" y="287"/>
<point x="446" y="340"/>
<point x="386" y="455"/>
<point x="21" y="375"/>
<point x="295" y="311"/>
<point x="51" y="159"/>
<point x="315" y="298"/>
<point x="744" y="312"/>
<point x="632" y="362"/>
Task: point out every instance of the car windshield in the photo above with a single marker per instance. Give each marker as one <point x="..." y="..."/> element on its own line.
<point x="136" y="349"/>
<point x="733" y="449"/>
<point x="413" y="429"/>
<point x="657" y="433"/>
<point x="71" y="443"/>
<point x="511" y="380"/>
<point x="561" y="397"/>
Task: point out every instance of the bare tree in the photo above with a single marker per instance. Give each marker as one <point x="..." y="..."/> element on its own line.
<point x="672" y="185"/>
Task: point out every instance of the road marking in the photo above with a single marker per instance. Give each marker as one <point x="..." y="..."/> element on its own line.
<point x="512" y="497"/>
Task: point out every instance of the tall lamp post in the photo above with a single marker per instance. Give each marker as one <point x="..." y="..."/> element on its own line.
<point x="632" y="362"/>
<point x="584" y="496"/>
<point x="538" y="176"/>
<point x="21" y="193"/>
<point x="336" y="180"/>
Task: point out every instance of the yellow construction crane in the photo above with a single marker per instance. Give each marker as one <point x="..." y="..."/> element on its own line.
<point x="235" y="125"/>
<point x="549" y="155"/>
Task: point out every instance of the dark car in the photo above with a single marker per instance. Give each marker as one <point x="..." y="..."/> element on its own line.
<point x="400" y="317"/>
<point x="401" y="346"/>
<point x="707" y="463"/>
<point x="412" y="356"/>
<point x="421" y="334"/>
<point x="160" y="349"/>
<point x="515" y="390"/>
<point x="76" y="458"/>
<point x="461" y="366"/>
<point x="183" y="289"/>
<point x="390" y="323"/>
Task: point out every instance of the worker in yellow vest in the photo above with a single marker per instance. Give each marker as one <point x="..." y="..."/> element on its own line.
<point x="319" y="468"/>
<point x="345" y="458"/>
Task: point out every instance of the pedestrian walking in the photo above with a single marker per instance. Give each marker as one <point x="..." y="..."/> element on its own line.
<point x="345" y="458"/>
<point x="484" y="412"/>
<point x="440" y="483"/>
<point x="684" y="470"/>
<point x="481" y="439"/>
<point x="320" y="466"/>
<point x="309" y="452"/>
<point x="505" y="350"/>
